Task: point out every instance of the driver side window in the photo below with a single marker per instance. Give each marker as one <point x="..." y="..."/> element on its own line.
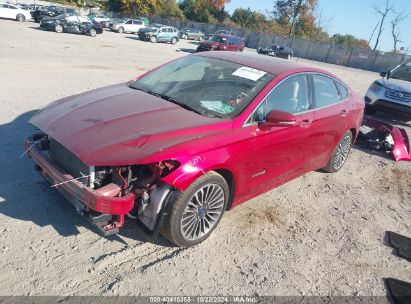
<point x="291" y="95"/>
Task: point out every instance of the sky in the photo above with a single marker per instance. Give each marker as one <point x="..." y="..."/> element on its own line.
<point x="355" y="17"/>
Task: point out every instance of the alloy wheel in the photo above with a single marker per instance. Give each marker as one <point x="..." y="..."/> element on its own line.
<point x="203" y="211"/>
<point x="342" y="152"/>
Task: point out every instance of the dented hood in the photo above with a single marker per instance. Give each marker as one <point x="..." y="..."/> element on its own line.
<point x="117" y="125"/>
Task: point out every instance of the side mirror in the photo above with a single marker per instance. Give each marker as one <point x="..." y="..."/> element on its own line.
<point x="383" y="74"/>
<point x="278" y="118"/>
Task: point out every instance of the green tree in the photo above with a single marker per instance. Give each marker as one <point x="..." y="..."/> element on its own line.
<point x="349" y="41"/>
<point x="140" y="7"/>
<point x="170" y="9"/>
<point x="296" y="15"/>
<point x="204" y="10"/>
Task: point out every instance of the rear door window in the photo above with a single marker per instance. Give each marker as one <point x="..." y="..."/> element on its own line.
<point x="325" y="91"/>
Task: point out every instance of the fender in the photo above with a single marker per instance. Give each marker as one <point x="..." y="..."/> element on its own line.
<point x="194" y="166"/>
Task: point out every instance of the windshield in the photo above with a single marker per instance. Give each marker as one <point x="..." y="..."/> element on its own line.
<point x="208" y="86"/>
<point x="403" y="72"/>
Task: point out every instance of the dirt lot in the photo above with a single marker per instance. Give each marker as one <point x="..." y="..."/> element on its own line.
<point x="321" y="234"/>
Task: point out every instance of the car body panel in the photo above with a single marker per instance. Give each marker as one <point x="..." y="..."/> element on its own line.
<point x="401" y="149"/>
<point x="142" y="129"/>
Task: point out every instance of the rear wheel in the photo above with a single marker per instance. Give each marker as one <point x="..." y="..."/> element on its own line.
<point x="174" y="40"/>
<point x="184" y="36"/>
<point x="340" y="153"/>
<point x="289" y="56"/>
<point x="58" y="28"/>
<point x="196" y="212"/>
<point x="20" y="18"/>
<point x="92" y="32"/>
<point x="120" y="30"/>
<point x="153" y="39"/>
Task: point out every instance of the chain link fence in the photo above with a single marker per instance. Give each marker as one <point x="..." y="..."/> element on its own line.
<point x="359" y="58"/>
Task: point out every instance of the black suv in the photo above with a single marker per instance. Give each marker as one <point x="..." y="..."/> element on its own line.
<point x="276" y="51"/>
<point x="51" y="11"/>
<point x="71" y="23"/>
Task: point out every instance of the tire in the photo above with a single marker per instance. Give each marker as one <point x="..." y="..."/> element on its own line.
<point x="289" y="56"/>
<point x="340" y="153"/>
<point x="199" y="221"/>
<point x="120" y="30"/>
<point x="369" y="110"/>
<point x="173" y="41"/>
<point x="20" y="18"/>
<point x="58" y="28"/>
<point x="153" y="39"/>
<point x="201" y="38"/>
<point x="92" y="32"/>
<point x="184" y="37"/>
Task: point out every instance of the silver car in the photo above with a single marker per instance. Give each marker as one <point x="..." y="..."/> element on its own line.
<point x="393" y="91"/>
<point x="127" y="26"/>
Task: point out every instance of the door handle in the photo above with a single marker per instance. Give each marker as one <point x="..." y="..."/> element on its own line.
<point x="343" y="113"/>
<point x="305" y="123"/>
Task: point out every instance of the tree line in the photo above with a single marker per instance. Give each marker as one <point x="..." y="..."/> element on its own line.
<point x="292" y="18"/>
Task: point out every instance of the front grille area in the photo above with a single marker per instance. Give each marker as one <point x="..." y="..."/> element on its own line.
<point x="68" y="161"/>
<point x="396" y="95"/>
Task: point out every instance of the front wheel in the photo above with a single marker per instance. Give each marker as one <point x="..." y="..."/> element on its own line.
<point x="201" y="38"/>
<point x="120" y="30"/>
<point x="340" y="153"/>
<point x="153" y="39"/>
<point x="92" y="32"/>
<point x="196" y="212"/>
<point x="20" y="18"/>
<point x="58" y="28"/>
<point x="289" y="56"/>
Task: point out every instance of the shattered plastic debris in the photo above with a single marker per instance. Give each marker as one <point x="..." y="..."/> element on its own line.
<point x="380" y="136"/>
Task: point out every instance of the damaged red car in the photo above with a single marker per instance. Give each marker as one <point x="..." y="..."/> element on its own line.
<point x="176" y="147"/>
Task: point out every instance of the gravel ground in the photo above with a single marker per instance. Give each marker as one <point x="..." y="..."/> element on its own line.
<point x="321" y="234"/>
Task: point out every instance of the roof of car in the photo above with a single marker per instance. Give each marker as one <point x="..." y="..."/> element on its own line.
<point x="264" y="63"/>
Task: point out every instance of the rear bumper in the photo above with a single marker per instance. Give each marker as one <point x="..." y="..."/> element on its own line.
<point x="82" y="197"/>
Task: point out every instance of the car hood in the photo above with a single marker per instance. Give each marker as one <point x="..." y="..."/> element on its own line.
<point x="208" y="43"/>
<point x="396" y="84"/>
<point x="117" y="125"/>
<point x="148" y="29"/>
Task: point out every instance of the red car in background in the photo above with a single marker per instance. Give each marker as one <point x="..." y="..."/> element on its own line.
<point x="222" y="43"/>
<point x="177" y="146"/>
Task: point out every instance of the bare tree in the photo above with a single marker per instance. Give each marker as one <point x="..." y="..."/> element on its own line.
<point x="373" y="32"/>
<point x="383" y="12"/>
<point x="395" y="32"/>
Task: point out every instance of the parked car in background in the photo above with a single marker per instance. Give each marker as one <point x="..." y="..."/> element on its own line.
<point x="159" y="33"/>
<point x="190" y="33"/>
<point x="127" y="26"/>
<point x="221" y="32"/>
<point x="276" y="51"/>
<point x="102" y="19"/>
<point x="11" y="11"/>
<point x="192" y="138"/>
<point x="71" y="23"/>
<point x="222" y="43"/>
<point x="52" y="11"/>
<point x="392" y="92"/>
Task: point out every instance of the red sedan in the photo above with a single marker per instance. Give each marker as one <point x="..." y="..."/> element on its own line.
<point x="176" y="147"/>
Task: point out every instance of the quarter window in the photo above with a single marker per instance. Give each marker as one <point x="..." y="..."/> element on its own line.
<point x="342" y="90"/>
<point x="291" y="95"/>
<point x="326" y="92"/>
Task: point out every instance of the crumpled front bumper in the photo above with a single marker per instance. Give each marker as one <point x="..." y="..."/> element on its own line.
<point x="401" y="150"/>
<point x="84" y="198"/>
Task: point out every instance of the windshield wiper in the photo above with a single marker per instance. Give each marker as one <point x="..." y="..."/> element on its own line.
<point x="181" y="104"/>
